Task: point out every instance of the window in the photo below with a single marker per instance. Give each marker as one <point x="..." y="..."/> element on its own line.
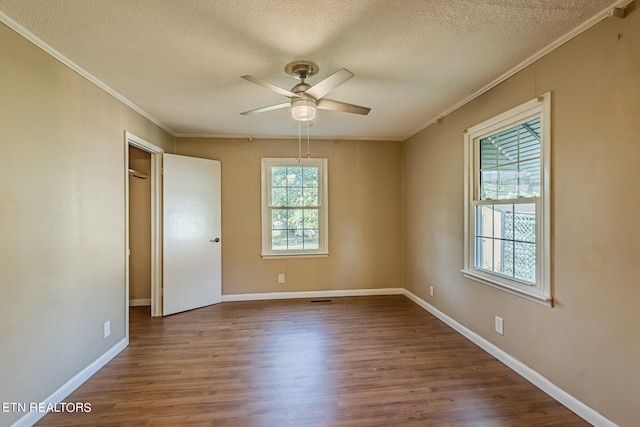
<point x="294" y="207"/>
<point x="507" y="228"/>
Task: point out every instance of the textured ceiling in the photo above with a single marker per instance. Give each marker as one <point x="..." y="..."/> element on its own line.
<point x="180" y="61"/>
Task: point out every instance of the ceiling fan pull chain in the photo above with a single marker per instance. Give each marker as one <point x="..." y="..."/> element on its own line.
<point x="299" y="144"/>
<point x="308" y="150"/>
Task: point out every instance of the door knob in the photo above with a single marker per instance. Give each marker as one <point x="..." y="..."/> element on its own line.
<point x="216" y="240"/>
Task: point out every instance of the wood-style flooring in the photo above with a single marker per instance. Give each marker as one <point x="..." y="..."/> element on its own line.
<point x="361" y="361"/>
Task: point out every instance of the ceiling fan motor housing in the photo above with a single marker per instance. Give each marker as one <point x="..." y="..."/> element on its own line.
<point x="300" y="89"/>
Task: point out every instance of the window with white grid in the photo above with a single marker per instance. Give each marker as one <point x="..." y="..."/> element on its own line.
<point x="507" y="201"/>
<point x="294" y="207"/>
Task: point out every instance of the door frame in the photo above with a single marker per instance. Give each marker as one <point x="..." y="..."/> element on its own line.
<point x="156" y="222"/>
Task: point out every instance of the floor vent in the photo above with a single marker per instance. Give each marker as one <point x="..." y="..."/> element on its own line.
<point x="321" y="300"/>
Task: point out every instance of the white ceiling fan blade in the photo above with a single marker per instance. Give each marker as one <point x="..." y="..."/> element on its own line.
<point x="322" y="88"/>
<point x="270" y="86"/>
<point x="330" y="104"/>
<point x="268" y="108"/>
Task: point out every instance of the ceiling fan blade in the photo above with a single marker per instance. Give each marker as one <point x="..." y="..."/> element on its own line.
<point x="322" y="88"/>
<point x="330" y="104"/>
<point x="269" y="108"/>
<point x="270" y="86"/>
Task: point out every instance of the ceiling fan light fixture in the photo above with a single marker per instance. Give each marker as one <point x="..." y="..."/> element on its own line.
<point x="303" y="109"/>
<point x="305" y="99"/>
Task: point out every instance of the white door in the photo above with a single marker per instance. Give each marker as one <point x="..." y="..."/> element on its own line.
<point x="191" y="234"/>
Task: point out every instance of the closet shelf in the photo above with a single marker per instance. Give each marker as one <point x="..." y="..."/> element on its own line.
<point x="137" y="174"/>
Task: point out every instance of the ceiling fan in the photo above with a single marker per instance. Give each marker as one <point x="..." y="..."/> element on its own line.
<point x="303" y="98"/>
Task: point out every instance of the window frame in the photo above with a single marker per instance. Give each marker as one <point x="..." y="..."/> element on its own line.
<point x="267" y="164"/>
<point x="541" y="290"/>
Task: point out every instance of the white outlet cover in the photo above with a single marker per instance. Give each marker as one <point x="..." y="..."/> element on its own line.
<point x="107" y="328"/>
<point x="499" y="325"/>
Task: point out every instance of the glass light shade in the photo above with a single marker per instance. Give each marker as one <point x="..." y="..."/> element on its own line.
<point x="303" y="110"/>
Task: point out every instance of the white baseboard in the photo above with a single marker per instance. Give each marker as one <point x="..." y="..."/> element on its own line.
<point x="312" y="294"/>
<point x="584" y="411"/>
<point x="139" y="302"/>
<point x="58" y="396"/>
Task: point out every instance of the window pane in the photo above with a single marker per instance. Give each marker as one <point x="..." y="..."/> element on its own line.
<point x="294" y="241"/>
<point x="489" y="184"/>
<point x="503" y="221"/>
<point x="310" y="197"/>
<point x="503" y="226"/>
<point x="296" y="228"/>
<point x="310" y="218"/>
<point x="525" y="262"/>
<point x="278" y="176"/>
<point x="484" y="221"/>
<point x="310" y="238"/>
<point x="505" y="258"/>
<point x="294" y="177"/>
<point x="508" y="182"/>
<point x="310" y="177"/>
<point x="310" y="183"/>
<point x="484" y="253"/>
<point x="530" y="139"/>
<point x="507" y="141"/>
<point x="525" y="222"/>
<point x="279" y="240"/>
<point x="529" y="179"/>
<point x="294" y="219"/>
<point x="278" y="196"/>
<point x="278" y="219"/>
<point x="488" y="153"/>
<point x="294" y="197"/>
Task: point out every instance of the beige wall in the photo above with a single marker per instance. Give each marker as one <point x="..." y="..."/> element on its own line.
<point x="365" y="205"/>
<point x="62" y="250"/>
<point x="588" y="344"/>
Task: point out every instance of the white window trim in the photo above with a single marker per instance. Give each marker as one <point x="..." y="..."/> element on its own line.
<point x="541" y="291"/>
<point x="323" y="213"/>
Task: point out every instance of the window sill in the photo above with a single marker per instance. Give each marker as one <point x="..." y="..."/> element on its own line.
<point x="295" y="255"/>
<point x="539" y="299"/>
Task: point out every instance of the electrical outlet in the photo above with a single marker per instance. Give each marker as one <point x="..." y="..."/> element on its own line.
<point x="107" y="328"/>
<point x="499" y="325"/>
<point x="430" y="290"/>
<point x="280" y="278"/>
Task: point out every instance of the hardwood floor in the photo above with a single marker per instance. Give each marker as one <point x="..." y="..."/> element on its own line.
<point x="362" y="361"/>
